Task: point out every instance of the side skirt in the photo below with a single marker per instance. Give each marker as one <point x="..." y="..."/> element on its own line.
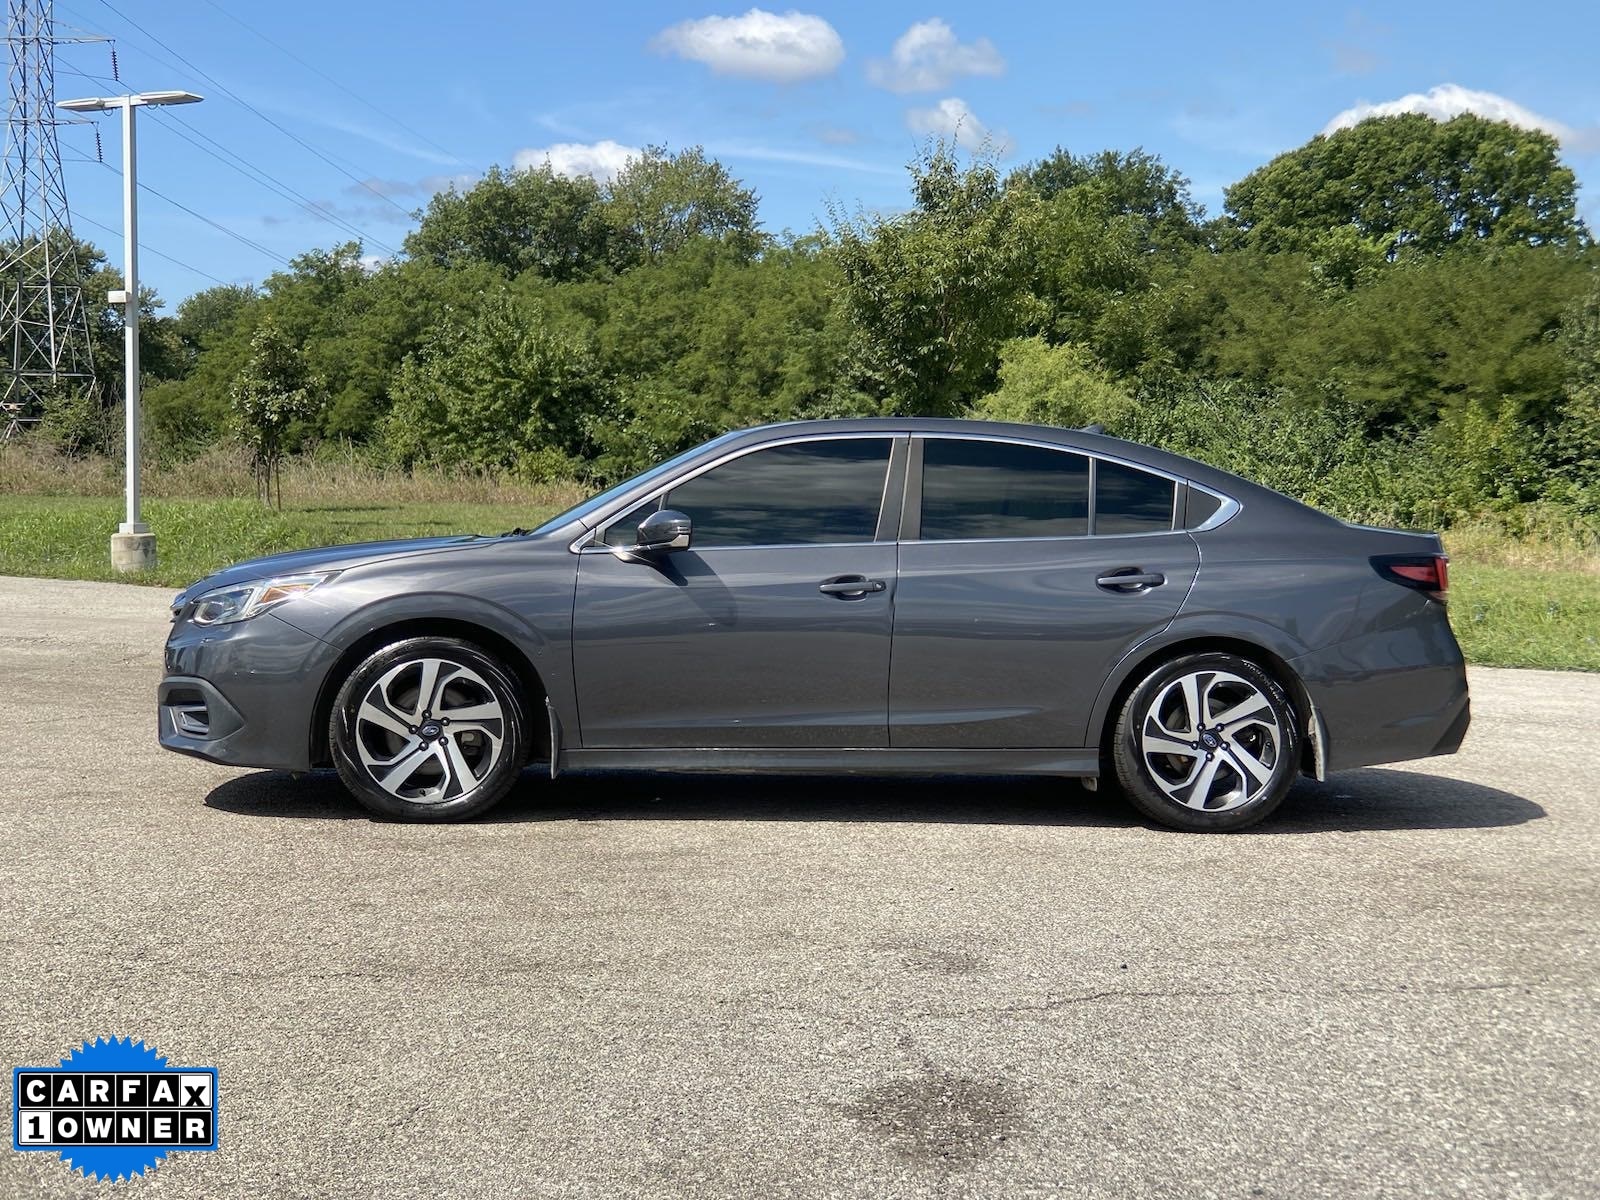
<point x="742" y="760"/>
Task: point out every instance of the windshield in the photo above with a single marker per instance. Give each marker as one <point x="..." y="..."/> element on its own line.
<point x="584" y="509"/>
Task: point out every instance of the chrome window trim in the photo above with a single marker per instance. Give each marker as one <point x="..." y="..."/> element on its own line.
<point x="1058" y="537"/>
<point x="1226" y="511"/>
<point x="590" y="539"/>
<point x="764" y="546"/>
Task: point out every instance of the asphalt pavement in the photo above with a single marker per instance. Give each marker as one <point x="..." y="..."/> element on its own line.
<point x="618" y="987"/>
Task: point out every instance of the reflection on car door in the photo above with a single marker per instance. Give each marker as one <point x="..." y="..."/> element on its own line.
<point x="757" y="636"/>
<point x="1008" y="616"/>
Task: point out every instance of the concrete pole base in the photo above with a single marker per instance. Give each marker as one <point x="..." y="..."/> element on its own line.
<point x="133" y="551"/>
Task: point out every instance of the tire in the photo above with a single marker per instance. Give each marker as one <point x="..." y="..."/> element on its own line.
<point x="446" y="756"/>
<point x="1198" y="774"/>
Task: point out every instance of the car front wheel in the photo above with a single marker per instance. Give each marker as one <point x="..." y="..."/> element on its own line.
<point x="428" y="729"/>
<point x="1207" y="743"/>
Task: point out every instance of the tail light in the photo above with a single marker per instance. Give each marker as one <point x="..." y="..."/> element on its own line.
<point x="1428" y="573"/>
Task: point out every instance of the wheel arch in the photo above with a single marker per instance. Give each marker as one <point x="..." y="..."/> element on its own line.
<point x="1142" y="660"/>
<point x="492" y="642"/>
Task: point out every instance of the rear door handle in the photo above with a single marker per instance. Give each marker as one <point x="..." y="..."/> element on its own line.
<point x="850" y="586"/>
<point x="1130" y="579"/>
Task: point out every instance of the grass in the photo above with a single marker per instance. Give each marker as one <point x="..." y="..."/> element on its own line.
<point x="1523" y="596"/>
<point x="68" y="537"/>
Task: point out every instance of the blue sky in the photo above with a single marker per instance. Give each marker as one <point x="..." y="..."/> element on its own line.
<point x="363" y="109"/>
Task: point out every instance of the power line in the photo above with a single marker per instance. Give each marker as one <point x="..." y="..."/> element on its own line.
<point x="316" y="70"/>
<point x="149" y="249"/>
<point x="249" y="170"/>
<point x="228" y="158"/>
<point x="234" y="96"/>
<point x="217" y="225"/>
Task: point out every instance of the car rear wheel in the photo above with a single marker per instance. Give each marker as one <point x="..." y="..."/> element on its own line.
<point x="1207" y="743"/>
<point x="428" y="729"/>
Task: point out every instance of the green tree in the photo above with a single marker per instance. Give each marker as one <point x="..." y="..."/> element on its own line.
<point x="661" y="202"/>
<point x="703" y="341"/>
<point x="932" y="292"/>
<point x="271" y="397"/>
<point x="1408" y="184"/>
<point x="497" y="388"/>
<point x="1575" y="436"/>
<point x="1420" y="340"/>
<point x="1113" y="236"/>
<point x="1063" y="385"/>
<point x="206" y="317"/>
<point x="516" y="221"/>
<point x="1135" y="184"/>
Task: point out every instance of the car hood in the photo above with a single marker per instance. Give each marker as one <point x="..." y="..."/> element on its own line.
<point x="326" y="558"/>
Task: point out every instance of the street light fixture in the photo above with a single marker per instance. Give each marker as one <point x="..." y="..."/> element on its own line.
<point x="133" y="546"/>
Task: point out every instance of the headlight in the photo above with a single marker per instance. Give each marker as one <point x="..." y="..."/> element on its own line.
<point x="226" y="605"/>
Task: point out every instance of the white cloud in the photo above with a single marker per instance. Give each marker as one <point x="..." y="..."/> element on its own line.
<point x="426" y="186"/>
<point x="752" y="152"/>
<point x="836" y="135"/>
<point x="759" y="45"/>
<point x="952" y="120"/>
<point x="1452" y="100"/>
<point x="927" y="57"/>
<point x="600" y="161"/>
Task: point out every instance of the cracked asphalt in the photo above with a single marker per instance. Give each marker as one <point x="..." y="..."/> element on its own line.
<point x="659" y="987"/>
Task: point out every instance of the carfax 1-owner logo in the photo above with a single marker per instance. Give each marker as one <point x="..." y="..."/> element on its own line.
<point x="113" y="1108"/>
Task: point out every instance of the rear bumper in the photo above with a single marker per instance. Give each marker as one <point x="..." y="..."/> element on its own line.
<point x="243" y="694"/>
<point x="1389" y="695"/>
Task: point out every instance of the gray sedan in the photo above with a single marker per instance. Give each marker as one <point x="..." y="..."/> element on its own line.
<point x="867" y="596"/>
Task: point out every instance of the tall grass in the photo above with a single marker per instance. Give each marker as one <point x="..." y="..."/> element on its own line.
<point x="223" y="472"/>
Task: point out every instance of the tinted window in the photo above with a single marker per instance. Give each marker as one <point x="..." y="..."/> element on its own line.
<point x="1127" y="500"/>
<point x="1202" y="506"/>
<point x="824" y="491"/>
<point x="974" y="489"/>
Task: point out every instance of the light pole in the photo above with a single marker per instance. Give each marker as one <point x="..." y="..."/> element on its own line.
<point x="133" y="546"/>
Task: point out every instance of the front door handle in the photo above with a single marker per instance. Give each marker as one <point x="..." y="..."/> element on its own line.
<point x="1130" y="579"/>
<point x="850" y="587"/>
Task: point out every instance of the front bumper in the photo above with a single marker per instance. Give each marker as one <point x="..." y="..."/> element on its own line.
<point x="242" y="694"/>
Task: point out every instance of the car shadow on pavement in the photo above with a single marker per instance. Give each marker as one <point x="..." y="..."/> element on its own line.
<point x="1356" y="801"/>
<point x="1375" y="798"/>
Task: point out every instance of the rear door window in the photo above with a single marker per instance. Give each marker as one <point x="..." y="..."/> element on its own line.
<point x="981" y="489"/>
<point x="1128" y="500"/>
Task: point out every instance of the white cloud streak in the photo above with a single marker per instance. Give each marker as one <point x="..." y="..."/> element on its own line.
<point x="927" y="57"/>
<point x="737" y="151"/>
<point x="600" y="161"/>
<point x="779" y="48"/>
<point x="952" y="119"/>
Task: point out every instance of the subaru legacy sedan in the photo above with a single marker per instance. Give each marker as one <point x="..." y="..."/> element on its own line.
<point x="933" y="597"/>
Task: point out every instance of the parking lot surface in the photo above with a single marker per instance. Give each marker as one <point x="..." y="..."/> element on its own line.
<point x="748" y="987"/>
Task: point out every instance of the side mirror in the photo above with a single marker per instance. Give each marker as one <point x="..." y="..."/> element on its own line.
<point x="663" y="532"/>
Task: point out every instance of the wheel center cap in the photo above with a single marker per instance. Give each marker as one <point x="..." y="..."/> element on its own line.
<point x="1208" y="740"/>
<point x="430" y="729"/>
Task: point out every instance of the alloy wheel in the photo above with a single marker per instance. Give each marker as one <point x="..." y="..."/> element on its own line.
<point x="1211" y="741"/>
<point x="429" y="730"/>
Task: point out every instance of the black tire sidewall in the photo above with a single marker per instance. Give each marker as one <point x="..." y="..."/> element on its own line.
<point x="1134" y="774"/>
<point x="341" y="725"/>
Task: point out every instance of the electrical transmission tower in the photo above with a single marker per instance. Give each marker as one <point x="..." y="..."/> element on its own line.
<point x="43" y="321"/>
